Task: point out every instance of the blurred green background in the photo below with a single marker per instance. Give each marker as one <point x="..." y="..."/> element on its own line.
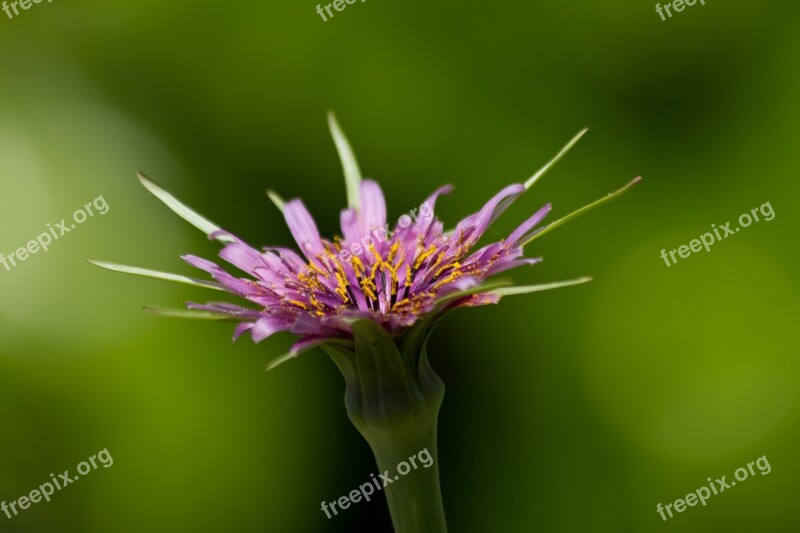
<point x="574" y="410"/>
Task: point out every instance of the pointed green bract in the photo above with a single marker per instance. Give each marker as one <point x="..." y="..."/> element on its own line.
<point x="352" y="174"/>
<point x="282" y="359"/>
<point x="294" y="353"/>
<point x="542" y="171"/>
<point x="583" y="210"/>
<point x="550" y="164"/>
<point x="147" y="273"/>
<point x="183" y="211"/>
<point x="277" y="200"/>
<point x="527" y="289"/>
<point x="486" y="287"/>
<point x="188" y="313"/>
<point x="382" y="375"/>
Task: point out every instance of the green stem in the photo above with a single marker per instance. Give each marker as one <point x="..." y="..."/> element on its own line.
<point x="415" y="499"/>
<point x="393" y="398"/>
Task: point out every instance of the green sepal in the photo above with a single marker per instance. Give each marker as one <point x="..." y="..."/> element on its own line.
<point x="390" y="384"/>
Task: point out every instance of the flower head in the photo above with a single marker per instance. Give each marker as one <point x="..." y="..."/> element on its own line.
<point x="391" y="275"/>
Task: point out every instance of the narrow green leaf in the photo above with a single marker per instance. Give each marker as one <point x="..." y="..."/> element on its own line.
<point x="526" y="289"/>
<point x="136" y="271"/>
<point x="277" y="200"/>
<point x="542" y="171"/>
<point x="582" y="210"/>
<point x="282" y="359"/>
<point x="186" y="213"/>
<point x="187" y="313"/>
<point x="486" y="287"/>
<point x="550" y="164"/>
<point x="352" y="174"/>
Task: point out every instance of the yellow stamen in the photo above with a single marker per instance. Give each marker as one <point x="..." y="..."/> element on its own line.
<point x="299" y="304"/>
<point x="393" y="251"/>
<point x="372" y="249"/>
<point x="401" y="303"/>
<point x="454" y="264"/>
<point x="424" y="256"/>
<point x="438" y="260"/>
<point x="450" y="277"/>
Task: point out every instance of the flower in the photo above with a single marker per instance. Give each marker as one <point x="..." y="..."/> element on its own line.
<point x="393" y="278"/>
<point x="371" y="298"/>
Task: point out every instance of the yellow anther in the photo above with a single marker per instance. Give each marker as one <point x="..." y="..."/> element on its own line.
<point x="427" y="253"/>
<point x="372" y="249"/>
<point x="299" y="304"/>
<point x="454" y="264"/>
<point x="450" y="277"/>
<point x="367" y="287"/>
<point x="438" y="260"/>
<point x="402" y="303"/>
<point x="316" y="303"/>
<point x="358" y="266"/>
<point x="341" y="290"/>
<point x="393" y="251"/>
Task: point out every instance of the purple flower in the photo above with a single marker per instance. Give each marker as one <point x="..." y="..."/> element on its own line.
<point x="393" y="276"/>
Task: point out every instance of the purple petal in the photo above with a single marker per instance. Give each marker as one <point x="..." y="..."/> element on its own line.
<point x="521" y="233"/>
<point x="475" y="224"/>
<point x="476" y="300"/>
<point x="267" y="325"/>
<point x="242" y="257"/>
<point x="202" y="264"/>
<point x="351" y="229"/>
<point x="241" y="327"/>
<point x="431" y="200"/>
<point x="308" y="325"/>
<point x="502" y="266"/>
<point x="426" y="211"/>
<point x="303" y="228"/>
<point x="372" y="210"/>
<point x="461" y="284"/>
<point x="246" y="288"/>
<point x="288" y="257"/>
